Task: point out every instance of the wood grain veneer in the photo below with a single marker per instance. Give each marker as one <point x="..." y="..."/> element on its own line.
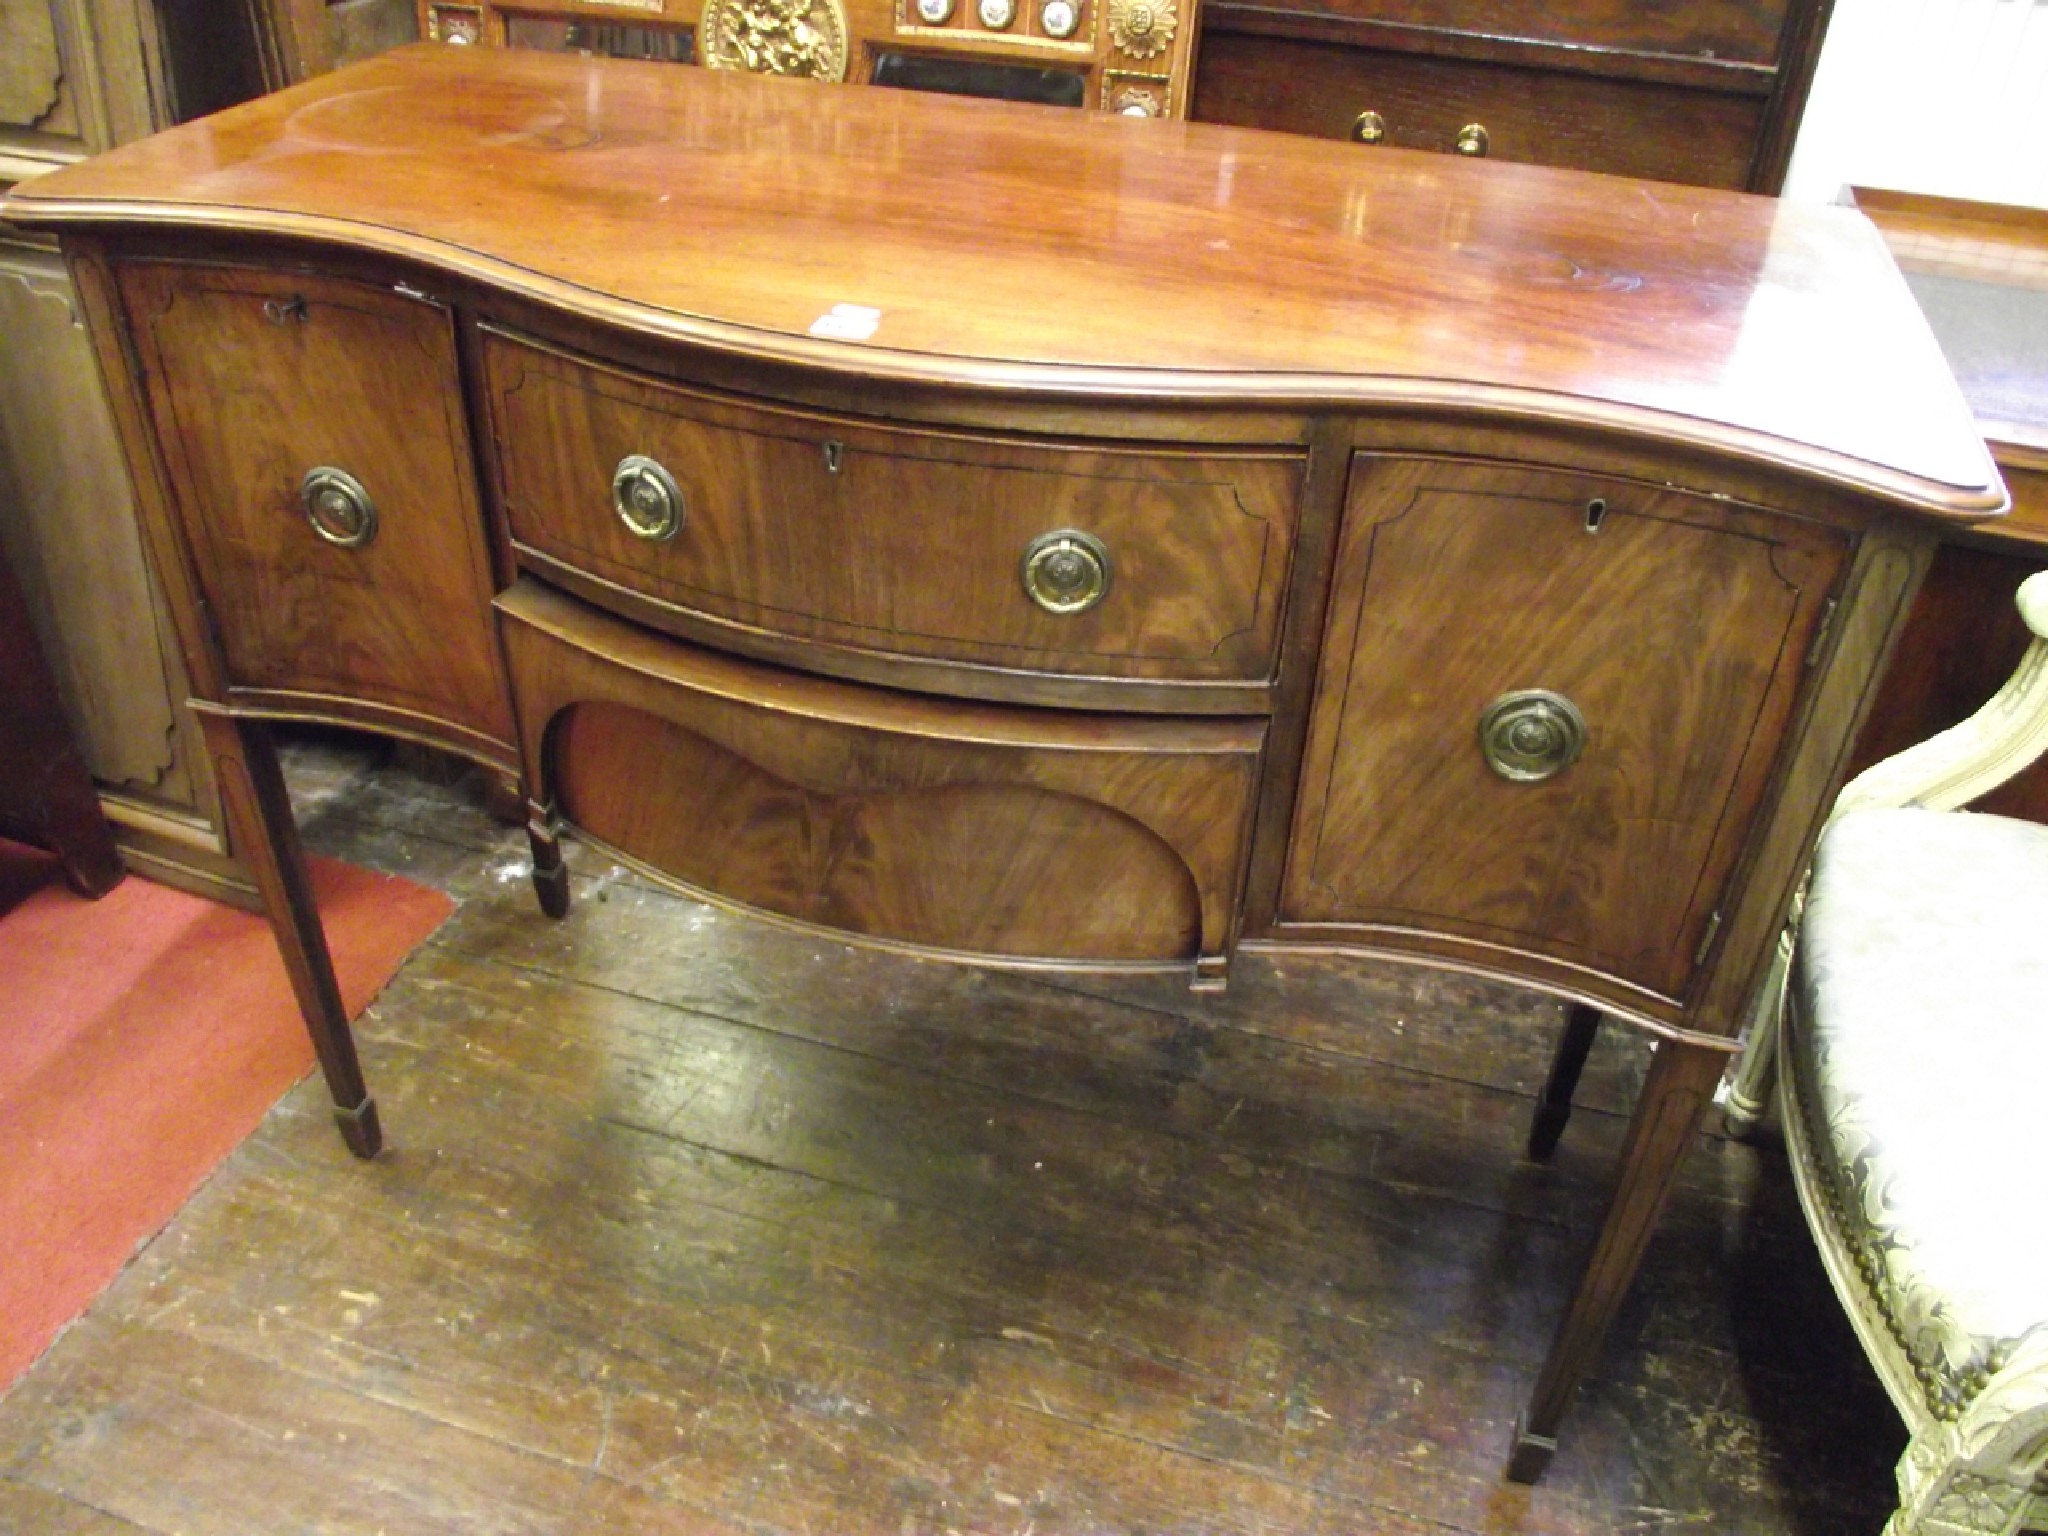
<point x="1733" y="31"/>
<point x="1680" y="627"/>
<point x="1343" y="417"/>
<point x="261" y="378"/>
<point x="1709" y="95"/>
<point x="701" y="205"/>
<point x="1033" y="835"/>
<point x="1538" y="116"/>
<point x="848" y="531"/>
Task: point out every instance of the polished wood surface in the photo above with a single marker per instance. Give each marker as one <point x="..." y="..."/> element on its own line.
<point x="263" y="377"/>
<point x="1679" y="628"/>
<point x="259" y="810"/>
<point x="1745" y="390"/>
<point x="1226" y="265"/>
<point x="1732" y="31"/>
<point x="1531" y="116"/>
<point x="1705" y="94"/>
<point x="1036" y="836"/>
<point x="837" y="530"/>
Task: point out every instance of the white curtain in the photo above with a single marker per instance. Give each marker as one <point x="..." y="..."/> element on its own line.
<point x="1948" y="97"/>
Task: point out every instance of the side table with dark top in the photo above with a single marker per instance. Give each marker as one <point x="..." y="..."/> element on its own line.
<point x="46" y="794"/>
<point x="1980" y="273"/>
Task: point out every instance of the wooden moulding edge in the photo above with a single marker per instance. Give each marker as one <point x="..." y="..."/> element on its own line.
<point x="1945" y="501"/>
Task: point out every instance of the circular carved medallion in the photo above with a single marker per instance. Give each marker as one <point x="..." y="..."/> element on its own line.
<point x="776" y="37"/>
<point x="1142" y="28"/>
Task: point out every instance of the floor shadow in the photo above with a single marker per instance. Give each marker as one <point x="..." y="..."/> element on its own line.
<point x="23" y="872"/>
<point x="1826" y="1424"/>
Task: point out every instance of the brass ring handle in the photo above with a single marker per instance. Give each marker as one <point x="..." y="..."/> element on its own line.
<point x="1531" y="735"/>
<point x="1472" y="140"/>
<point x="647" y="499"/>
<point x="338" y="507"/>
<point x="1368" y="128"/>
<point x="1066" y="571"/>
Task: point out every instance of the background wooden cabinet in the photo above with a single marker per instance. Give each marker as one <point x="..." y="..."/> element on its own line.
<point x="76" y="77"/>
<point x="1707" y="93"/>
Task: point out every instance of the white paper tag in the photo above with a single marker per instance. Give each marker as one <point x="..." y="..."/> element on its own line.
<point x="847" y="322"/>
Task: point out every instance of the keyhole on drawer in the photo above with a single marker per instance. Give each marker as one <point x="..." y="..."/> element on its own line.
<point x="1596" y="513"/>
<point x="835" y="456"/>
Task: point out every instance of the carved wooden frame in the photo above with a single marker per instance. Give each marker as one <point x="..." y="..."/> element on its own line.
<point x="1984" y="1471"/>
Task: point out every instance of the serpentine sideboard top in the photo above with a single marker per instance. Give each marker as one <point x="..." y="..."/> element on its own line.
<point x="913" y="237"/>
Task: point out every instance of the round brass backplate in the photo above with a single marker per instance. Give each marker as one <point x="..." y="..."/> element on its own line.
<point x="1531" y="735"/>
<point x="1066" y="571"/>
<point x="647" y="499"/>
<point x="338" y="507"/>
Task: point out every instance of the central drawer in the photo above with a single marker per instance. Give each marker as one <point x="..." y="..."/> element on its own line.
<point x="1148" y="563"/>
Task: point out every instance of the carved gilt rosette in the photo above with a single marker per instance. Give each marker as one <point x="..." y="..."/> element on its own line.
<point x="776" y="37"/>
<point x="1142" y="28"/>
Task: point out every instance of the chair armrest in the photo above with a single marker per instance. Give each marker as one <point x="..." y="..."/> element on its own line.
<point x="1975" y="757"/>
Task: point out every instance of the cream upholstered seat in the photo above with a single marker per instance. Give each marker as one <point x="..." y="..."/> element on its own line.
<point x="1915" y="1063"/>
<point x="1913" y="1070"/>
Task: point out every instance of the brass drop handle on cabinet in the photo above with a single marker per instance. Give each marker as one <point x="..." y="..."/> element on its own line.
<point x="1066" y="571"/>
<point x="647" y="499"/>
<point x="1531" y="735"/>
<point x="1371" y="128"/>
<point x="338" y="507"/>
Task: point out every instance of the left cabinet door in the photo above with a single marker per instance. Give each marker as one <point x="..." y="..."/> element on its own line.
<point x="313" y="431"/>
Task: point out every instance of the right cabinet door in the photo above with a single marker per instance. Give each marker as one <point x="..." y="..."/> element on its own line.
<point x="1548" y="705"/>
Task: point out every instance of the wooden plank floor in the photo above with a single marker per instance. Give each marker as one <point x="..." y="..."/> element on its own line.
<point x="691" y="1224"/>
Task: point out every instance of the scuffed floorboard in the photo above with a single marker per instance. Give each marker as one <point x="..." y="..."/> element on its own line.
<point x="693" y="1224"/>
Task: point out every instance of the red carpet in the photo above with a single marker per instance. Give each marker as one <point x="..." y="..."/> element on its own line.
<point x="142" y="1036"/>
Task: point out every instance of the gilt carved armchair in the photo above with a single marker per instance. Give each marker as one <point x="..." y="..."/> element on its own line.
<point x="1909" y="1032"/>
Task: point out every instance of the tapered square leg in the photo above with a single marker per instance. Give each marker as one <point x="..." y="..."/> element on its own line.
<point x="1554" y="1108"/>
<point x="1530" y="1456"/>
<point x="267" y="840"/>
<point x="550" y="873"/>
<point x="1667" y="1116"/>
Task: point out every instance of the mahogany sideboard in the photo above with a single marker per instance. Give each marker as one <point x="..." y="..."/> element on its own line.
<point x="1049" y="538"/>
